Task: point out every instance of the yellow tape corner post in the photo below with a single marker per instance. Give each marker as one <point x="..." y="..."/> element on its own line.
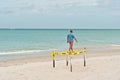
<point x="53" y="54"/>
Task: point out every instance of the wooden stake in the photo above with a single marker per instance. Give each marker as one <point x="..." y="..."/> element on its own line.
<point x="70" y="65"/>
<point x="67" y="60"/>
<point x="53" y="63"/>
<point x="84" y="59"/>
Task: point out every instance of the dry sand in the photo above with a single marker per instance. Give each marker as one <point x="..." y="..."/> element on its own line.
<point x="101" y="65"/>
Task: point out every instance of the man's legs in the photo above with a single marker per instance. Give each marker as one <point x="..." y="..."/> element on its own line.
<point x="71" y="46"/>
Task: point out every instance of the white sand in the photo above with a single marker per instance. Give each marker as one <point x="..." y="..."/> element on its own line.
<point x="98" y="68"/>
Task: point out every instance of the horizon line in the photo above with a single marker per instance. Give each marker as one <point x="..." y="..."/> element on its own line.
<point x="51" y="28"/>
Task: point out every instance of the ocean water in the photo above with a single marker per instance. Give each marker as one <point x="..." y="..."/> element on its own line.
<point x="18" y="43"/>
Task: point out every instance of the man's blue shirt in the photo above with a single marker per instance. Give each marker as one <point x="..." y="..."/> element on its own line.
<point x="70" y="37"/>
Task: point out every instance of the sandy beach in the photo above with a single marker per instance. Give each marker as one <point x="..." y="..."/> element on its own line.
<point x="38" y="36"/>
<point x="103" y="63"/>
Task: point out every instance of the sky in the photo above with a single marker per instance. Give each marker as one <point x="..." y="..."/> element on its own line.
<point x="82" y="14"/>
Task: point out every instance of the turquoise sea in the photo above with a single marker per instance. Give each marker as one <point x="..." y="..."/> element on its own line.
<point x="18" y="43"/>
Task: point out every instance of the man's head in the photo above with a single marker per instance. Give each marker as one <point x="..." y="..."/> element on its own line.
<point x="71" y="31"/>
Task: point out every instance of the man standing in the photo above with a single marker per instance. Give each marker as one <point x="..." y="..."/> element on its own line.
<point x="70" y="40"/>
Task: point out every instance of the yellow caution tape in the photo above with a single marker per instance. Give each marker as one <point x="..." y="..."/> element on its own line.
<point x="53" y="54"/>
<point x="70" y="53"/>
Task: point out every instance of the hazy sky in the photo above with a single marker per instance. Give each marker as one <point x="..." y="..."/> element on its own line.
<point x="60" y="14"/>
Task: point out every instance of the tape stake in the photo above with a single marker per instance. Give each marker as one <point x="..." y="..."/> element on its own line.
<point x="70" y="64"/>
<point x="53" y="63"/>
<point x="67" y="60"/>
<point x="84" y="59"/>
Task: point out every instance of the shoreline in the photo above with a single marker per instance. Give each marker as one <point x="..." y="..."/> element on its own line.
<point x="93" y="51"/>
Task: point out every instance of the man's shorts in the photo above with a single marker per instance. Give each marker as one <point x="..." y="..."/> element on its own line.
<point x="71" y="44"/>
